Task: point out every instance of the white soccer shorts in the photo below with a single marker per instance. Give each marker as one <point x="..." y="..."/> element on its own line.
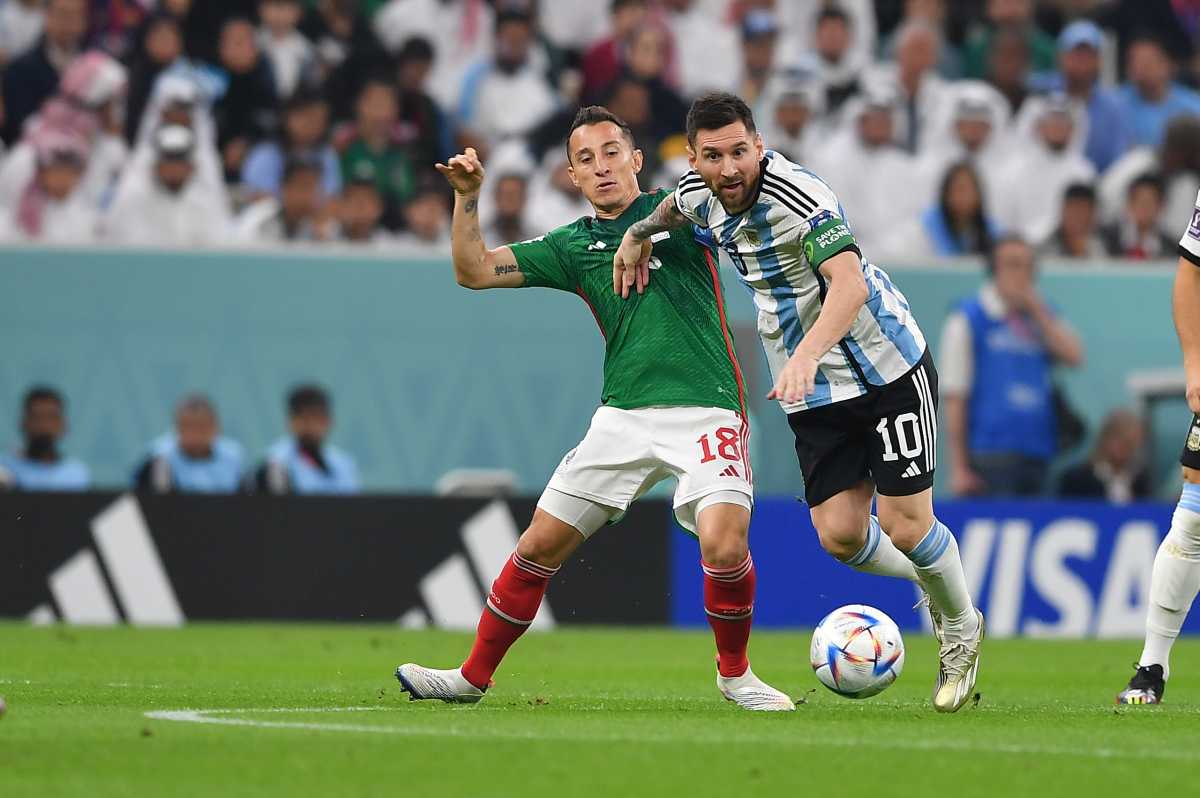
<point x="627" y="452"/>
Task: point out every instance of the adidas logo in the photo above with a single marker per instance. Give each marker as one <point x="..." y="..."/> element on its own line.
<point x="595" y="245"/>
<point x="730" y="471"/>
<point x="130" y="560"/>
<point x="911" y="471"/>
<point x="451" y="594"/>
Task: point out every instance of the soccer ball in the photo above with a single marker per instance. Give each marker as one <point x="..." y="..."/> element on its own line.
<point x="857" y="651"/>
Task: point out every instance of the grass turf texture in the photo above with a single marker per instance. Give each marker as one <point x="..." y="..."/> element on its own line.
<point x="578" y="712"/>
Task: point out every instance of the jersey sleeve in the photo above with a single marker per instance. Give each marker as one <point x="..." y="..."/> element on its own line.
<point x="693" y="199"/>
<point x="542" y="263"/>
<point x="1189" y="245"/>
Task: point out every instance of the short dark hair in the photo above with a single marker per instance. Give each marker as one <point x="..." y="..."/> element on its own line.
<point x="1080" y="191"/>
<point x="595" y="115"/>
<point x="308" y="397"/>
<point x="304" y="97"/>
<point x="1148" y="180"/>
<point x="1003" y="240"/>
<point x="716" y="109"/>
<point x="832" y="11"/>
<point x="415" y="48"/>
<point x="518" y="15"/>
<point x="42" y="393"/>
<point x="298" y="164"/>
<point x="617" y="5"/>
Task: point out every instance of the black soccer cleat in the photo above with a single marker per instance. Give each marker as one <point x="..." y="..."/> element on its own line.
<point x="1146" y="687"/>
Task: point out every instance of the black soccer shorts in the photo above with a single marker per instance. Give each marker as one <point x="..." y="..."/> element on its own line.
<point x="889" y="435"/>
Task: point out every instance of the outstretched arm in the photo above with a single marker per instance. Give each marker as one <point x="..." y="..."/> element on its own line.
<point x="631" y="264"/>
<point x="845" y="297"/>
<point x="475" y="266"/>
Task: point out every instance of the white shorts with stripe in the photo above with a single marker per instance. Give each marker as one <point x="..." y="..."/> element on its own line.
<point x="627" y="452"/>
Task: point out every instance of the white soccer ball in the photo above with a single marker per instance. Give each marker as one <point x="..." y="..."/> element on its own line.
<point x="857" y="651"/>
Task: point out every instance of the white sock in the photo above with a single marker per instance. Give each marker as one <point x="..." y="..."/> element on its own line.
<point x="880" y="556"/>
<point x="1174" y="581"/>
<point x="940" y="572"/>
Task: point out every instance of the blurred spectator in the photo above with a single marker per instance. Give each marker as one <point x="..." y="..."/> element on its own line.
<point x="508" y="220"/>
<point x="304" y="134"/>
<point x="997" y="353"/>
<point x="649" y="50"/>
<point x="360" y="210"/>
<point x="39" y="465"/>
<point x="553" y="198"/>
<point x="158" y="45"/>
<point x="632" y="101"/>
<point x="1038" y="170"/>
<point x="788" y="126"/>
<point x="922" y="93"/>
<point x="21" y="24"/>
<point x="347" y="49"/>
<point x="930" y="12"/>
<point x="837" y="68"/>
<point x="1138" y="234"/>
<point x="32" y="78"/>
<point x="868" y="147"/>
<point x="760" y="34"/>
<point x="603" y="60"/>
<point x="299" y="214"/>
<point x="86" y="115"/>
<point x="507" y="94"/>
<point x="163" y="202"/>
<point x="195" y="458"/>
<point x="375" y="146"/>
<point x="977" y="118"/>
<point x="427" y="220"/>
<point x="115" y="25"/>
<point x="1079" y="48"/>
<point x="53" y="208"/>
<point x="1177" y="159"/>
<point x="1003" y="17"/>
<point x="958" y="224"/>
<point x="293" y="59"/>
<point x="245" y="112"/>
<point x="306" y="463"/>
<point x="1116" y="470"/>
<point x="798" y="23"/>
<point x="182" y="95"/>
<point x="1151" y="97"/>
<point x="433" y="141"/>
<point x="1008" y="67"/>
<point x="706" y="48"/>
<point x="1078" y="234"/>
<point x="559" y="23"/>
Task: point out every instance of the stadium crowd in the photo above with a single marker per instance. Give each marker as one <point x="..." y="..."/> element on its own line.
<point x="1071" y="123"/>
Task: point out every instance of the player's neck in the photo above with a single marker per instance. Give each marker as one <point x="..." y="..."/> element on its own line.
<point x="615" y="211"/>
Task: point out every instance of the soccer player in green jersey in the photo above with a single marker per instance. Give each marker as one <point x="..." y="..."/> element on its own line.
<point x="672" y="406"/>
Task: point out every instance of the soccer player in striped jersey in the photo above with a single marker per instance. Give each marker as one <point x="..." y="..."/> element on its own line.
<point x="850" y="365"/>
<point x="1175" y="580"/>
<point x="672" y="408"/>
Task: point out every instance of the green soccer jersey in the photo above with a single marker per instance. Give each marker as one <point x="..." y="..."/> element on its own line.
<point x="670" y="346"/>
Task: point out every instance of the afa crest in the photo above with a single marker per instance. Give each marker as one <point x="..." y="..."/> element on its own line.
<point x="752" y="237"/>
<point x="1193" y="438"/>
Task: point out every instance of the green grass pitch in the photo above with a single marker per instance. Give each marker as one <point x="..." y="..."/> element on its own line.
<point x="610" y="712"/>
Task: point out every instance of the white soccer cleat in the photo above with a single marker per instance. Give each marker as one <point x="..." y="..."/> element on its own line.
<point x="750" y="692"/>
<point x="445" y="685"/>
<point x="958" y="664"/>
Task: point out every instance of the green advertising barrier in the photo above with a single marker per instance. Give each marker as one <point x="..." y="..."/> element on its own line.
<point x="427" y="376"/>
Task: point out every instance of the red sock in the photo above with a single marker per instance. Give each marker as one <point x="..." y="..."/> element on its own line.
<point x="729" y="602"/>
<point x="511" y="607"/>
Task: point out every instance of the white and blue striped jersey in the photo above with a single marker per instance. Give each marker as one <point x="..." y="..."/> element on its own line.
<point x="766" y="243"/>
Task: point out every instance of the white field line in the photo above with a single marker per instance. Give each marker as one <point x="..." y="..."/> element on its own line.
<point x="222" y="717"/>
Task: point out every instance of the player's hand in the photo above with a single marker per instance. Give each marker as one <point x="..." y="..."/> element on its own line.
<point x="1193" y="392"/>
<point x="631" y="266"/>
<point x="463" y="172"/>
<point x="797" y="380"/>
<point x="965" y="482"/>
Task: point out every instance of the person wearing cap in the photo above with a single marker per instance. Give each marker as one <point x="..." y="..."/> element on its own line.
<point x="161" y="202"/>
<point x="1080" y="46"/>
<point x="53" y="208"/>
<point x="760" y="35"/>
<point x="1037" y="170"/>
<point x="1151" y="97"/>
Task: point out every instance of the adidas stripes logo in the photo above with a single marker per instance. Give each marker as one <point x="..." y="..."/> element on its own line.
<point x="911" y="471"/>
<point x="730" y="471"/>
<point x="130" y="559"/>
<point x="453" y="593"/>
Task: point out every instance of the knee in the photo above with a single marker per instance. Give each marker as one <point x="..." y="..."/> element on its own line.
<point x="548" y="544"/>
<point x="726" y="552"/>
<point x="905" y="527"/>
<point x="841" y="538"/>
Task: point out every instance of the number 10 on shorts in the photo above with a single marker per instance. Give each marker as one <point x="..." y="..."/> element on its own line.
<point x="908" y="437"/>
<point x="727" y="445"/>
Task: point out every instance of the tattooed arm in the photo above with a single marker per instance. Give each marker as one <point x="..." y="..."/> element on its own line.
<point x="631" y="264"/>
<point x="475" y="266"/>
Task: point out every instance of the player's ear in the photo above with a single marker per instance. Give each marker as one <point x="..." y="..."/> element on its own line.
<point x="638" y="159"/>
<point x="571" y="174"/>
<point x="691" y="153"/>
<point x="758" y="145"/>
